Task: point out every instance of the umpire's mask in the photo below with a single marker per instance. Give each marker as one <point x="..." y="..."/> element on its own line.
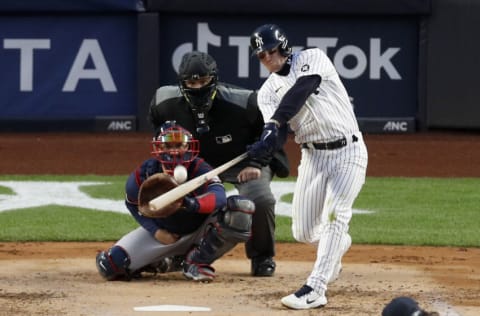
<point x="198" y="84"/>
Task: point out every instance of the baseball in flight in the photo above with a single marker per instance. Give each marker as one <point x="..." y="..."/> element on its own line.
<point x="180" y="174"/>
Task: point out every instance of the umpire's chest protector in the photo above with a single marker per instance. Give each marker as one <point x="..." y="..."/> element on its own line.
<point x="234" y="120"/>
<point x="233" y="125"/>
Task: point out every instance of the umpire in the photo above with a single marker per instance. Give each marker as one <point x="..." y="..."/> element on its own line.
<point x="226" y="118"/>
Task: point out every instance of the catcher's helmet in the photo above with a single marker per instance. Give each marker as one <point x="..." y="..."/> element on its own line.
<point x="196" y="66"/>
<point x="268" y="37"/>
<point x="174" y="146"/>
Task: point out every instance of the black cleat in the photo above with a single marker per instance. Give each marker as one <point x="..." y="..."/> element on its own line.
<point x="263" y="266"/>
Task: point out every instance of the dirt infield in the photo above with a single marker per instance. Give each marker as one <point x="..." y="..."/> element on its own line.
<point x="61" y="279"/>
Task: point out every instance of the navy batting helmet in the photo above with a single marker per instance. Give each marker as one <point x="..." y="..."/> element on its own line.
<point x="268" y="37"/>
<point x="404" y="305"/>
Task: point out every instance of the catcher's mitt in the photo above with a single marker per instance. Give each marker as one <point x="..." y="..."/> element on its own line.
<point x="152" y="187"/>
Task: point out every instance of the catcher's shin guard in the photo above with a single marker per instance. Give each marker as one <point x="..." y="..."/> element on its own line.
<point x="212" y="246"/>
<point x="113" y="263"/>
<point x="233" y="226"/>
<point x="236" y="219"/>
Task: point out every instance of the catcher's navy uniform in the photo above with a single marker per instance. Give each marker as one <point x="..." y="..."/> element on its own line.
<point x="203" y="230"/>
<point x="182" y="222"/>
<point x="234" y="122"/>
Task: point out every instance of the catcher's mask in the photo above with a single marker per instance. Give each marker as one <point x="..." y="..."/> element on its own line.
<point x="198" y="78"/>
<point x="174" y="146"/>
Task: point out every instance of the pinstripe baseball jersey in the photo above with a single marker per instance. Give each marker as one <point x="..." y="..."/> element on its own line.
<point x="327" y="114"/>
<point x="329" y="179"/>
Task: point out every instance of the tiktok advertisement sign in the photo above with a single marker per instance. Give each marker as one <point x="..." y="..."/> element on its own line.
<point x="69" y="67"/>
<point x="375" y="57"/>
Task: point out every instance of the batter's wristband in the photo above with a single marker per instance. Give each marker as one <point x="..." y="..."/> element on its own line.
<point x="277" y="123"/>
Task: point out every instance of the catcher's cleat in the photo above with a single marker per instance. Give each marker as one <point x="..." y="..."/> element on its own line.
<point x="198" y="272"/>
<point x="263" y="266"/>
<point x="305" y="298"/>
<point x="168" y="264"/>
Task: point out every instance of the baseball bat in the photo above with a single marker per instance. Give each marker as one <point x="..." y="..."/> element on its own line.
<point x="183" y="189"/>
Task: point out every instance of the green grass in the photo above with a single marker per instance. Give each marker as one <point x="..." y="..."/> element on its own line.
<point x="56" y="223"/>
<point x="7" y="191"/>
<point x="115" y="190"/>
<point x="424" y="211"/>
<point x="406" y="211"/>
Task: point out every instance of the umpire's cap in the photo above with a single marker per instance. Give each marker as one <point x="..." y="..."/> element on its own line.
<point x="267" y="37"/>
<point x="197" y="64"/>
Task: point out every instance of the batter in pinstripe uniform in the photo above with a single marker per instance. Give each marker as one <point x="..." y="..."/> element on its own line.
<point x="304" y="94"/>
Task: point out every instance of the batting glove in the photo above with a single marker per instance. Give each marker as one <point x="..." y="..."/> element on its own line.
<point x="267" y="144"/>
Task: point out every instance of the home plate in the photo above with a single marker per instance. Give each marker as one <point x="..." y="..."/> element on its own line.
<point x="171" y="308"/>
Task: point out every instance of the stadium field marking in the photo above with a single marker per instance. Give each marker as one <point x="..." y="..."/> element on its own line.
<point x="40" y="193"/>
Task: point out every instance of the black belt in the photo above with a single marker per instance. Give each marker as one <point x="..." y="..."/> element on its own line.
<point x="342" y="142"/>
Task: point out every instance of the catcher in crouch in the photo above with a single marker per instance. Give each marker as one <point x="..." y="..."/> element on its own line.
<point x="192" y="233"/>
